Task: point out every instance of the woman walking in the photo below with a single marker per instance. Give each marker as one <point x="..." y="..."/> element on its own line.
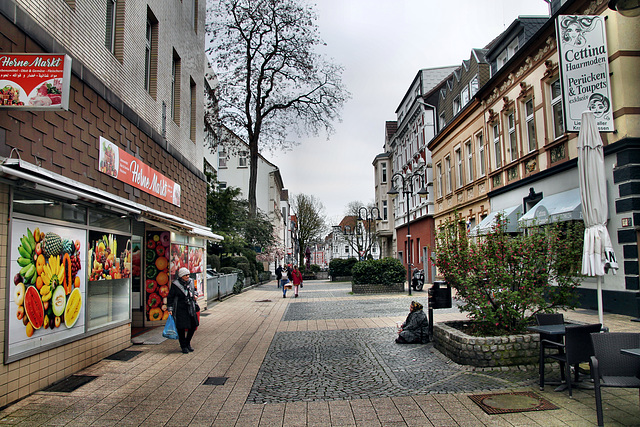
<point x="297" y="280"/>
<point x="181" y="302"/>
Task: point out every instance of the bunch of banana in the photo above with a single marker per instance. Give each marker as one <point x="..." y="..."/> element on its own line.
<point x="52" y="276"/>
<point x="27" y="259"/>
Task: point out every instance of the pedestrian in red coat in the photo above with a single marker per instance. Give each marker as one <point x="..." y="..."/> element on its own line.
<point x="297" y="280"/>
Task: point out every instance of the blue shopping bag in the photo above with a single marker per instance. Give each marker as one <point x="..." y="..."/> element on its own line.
<point x="170" y="330"/>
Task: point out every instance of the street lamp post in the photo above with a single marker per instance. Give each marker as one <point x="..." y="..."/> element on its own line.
<point x="407" y="190"/>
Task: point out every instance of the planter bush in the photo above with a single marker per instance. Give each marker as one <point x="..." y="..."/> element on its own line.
<point x="378" y="276"/>
<point x="503" y="280"/>
<point x="341" y="267"/>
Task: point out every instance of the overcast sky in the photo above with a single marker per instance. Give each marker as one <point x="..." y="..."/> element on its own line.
<point x="382" y="44"/>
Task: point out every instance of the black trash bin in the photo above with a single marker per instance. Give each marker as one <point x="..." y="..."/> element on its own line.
<point x="440" y="295"/>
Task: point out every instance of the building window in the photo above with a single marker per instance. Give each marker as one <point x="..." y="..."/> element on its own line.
<point x="346" y="249"/>
<point x="481" y="159"/>
<point x="243" y="159"/>
<point x="556" y="108"/>
<point x="511" y="130"/>
<point x="456" y="105"/>
<point x="222" y="157"/>
<point x="531" y="126"/>
<point x="175" y="88"/>
<point x="114" y="28"/>
<point x="497" y="152"/>
<point x="110" y="39"/>
<point x="384" y="172"/>
<point x="385" y="210"/>
<point x="439" y="179"/>
<point x="449" y="176"/>
<point x="194" y="14"/>
<point x="151" y="55"/>
<point x="473" y="85"/>
<point x="464" y="95"/>
<point x="442" y="123"/>
<point x="459" y="177"/>
<point x="222" y="185"/>
<point x="467" y="147"/>
<point x="193" y="106"/>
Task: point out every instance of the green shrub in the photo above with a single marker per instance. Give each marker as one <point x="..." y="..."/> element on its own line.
<point x="386" y="271"/>
<point x="315" y="268"/>
<point x="213" y="261"/>
<point x="341" y="267"/>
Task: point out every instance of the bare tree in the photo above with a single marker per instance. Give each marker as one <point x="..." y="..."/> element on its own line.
<point x="272" y="80"/>
<point x="362" y="235"/>
<point x="309" y="220"/>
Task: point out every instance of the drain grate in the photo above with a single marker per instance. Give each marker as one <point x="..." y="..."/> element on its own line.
<point x="123" y="355"/>
<point x="71" y="383"/>
<point x="215" y="381"/>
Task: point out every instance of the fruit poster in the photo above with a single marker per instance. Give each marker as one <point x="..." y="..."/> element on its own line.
<point x="47" y="291"/>
<point x="35" y="81"/>
<point x="124" y="167"/>
<point x="109" y="256"/>
<point x="157" y="281"/>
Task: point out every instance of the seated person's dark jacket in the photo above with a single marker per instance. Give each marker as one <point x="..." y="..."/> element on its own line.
<point x="416" y="328"/>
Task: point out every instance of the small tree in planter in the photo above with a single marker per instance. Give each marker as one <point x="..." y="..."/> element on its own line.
<point x="503" y="280"/>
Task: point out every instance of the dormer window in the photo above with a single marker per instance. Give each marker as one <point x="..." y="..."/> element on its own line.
<point x="456" y="105"/>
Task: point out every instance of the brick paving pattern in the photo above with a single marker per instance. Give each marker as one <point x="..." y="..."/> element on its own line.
<point x="290" y="362"/>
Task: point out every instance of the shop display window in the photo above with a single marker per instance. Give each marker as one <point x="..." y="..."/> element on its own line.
<point x="108" y="291"/>
<point x="108" y="220"/>
<point x="38" y="204"/>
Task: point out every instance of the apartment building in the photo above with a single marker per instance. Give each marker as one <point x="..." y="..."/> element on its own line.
<point x="518" y="133"/>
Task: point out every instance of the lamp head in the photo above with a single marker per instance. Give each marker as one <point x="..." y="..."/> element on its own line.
<point x="393" y="193"/>
<point x="423" y="193"/>
<point x="629" y="8"/>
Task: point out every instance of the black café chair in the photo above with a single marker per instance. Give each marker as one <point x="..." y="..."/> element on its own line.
<point x="550" y="341"/>
<point x="577" y="349"/>
<point x="610" y="368"/>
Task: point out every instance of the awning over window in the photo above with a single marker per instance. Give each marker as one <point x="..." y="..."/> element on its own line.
<point x="565" y="206"/>
<point x="50" y="182"/>
<point x="489" y="223"/>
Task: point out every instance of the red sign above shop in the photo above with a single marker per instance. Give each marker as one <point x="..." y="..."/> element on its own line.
<point x="126" y="168"/>
<point x="35" y="81"/>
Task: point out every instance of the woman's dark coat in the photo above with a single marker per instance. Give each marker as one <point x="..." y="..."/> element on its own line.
<point x="179" y="302"/>
<point x="416" y="327"/>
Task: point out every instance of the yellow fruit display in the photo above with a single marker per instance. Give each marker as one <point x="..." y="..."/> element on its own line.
<point x="72" y="310"/>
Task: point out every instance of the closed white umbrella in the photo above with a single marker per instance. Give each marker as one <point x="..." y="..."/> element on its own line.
<point x="597" y="255"/>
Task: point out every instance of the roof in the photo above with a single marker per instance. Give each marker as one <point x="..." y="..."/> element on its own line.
<point x="528" y="25"/>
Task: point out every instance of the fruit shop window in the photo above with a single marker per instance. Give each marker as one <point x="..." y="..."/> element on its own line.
<point x="109" y="220"/>
<point x="38" y="204"/>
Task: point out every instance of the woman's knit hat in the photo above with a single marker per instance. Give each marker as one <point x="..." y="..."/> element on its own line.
<point x="416" y="305"/>
<point x="183" y="272"/>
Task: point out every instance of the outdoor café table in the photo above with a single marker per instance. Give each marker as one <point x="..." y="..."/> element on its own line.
<point x="631" y="351"/>
<point x="554" y="330"/>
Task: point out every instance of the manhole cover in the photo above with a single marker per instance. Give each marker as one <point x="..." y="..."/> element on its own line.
<point x="504" y="403"/>
<point x="123" y="355"/>
<point x="215" y="381"/>
<point x="71" y="383"/>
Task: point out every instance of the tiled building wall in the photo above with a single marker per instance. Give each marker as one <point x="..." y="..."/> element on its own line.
<point x="66" y="142"/>
<point x="81" y="32"/>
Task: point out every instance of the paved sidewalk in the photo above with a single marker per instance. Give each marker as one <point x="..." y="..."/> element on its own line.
<point x="326" y="358"/>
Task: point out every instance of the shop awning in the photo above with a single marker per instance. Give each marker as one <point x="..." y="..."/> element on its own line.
<point x="565" y="206"/>
<point x="489" y="223"/>
<point x="53" y="183"/>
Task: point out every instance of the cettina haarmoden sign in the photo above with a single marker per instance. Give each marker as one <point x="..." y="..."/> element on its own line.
<point x="584" y="67"/>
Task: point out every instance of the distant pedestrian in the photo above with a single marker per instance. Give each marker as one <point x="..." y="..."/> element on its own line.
<point x="415" y="329"/>
<point x="297" y="280"/>
<point x="181" y="302"/>
<point x="279" y="274"/>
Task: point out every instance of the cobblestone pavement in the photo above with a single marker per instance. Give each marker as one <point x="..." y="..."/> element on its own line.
<point x="365" y="363"/>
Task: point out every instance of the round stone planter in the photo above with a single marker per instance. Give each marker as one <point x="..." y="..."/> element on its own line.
<point x="485" y="351"/>
<point x="360" y="288"/>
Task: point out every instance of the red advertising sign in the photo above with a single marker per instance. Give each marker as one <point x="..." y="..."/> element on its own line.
<point x="35" y="81"/>
<point x="126" y="168"/>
